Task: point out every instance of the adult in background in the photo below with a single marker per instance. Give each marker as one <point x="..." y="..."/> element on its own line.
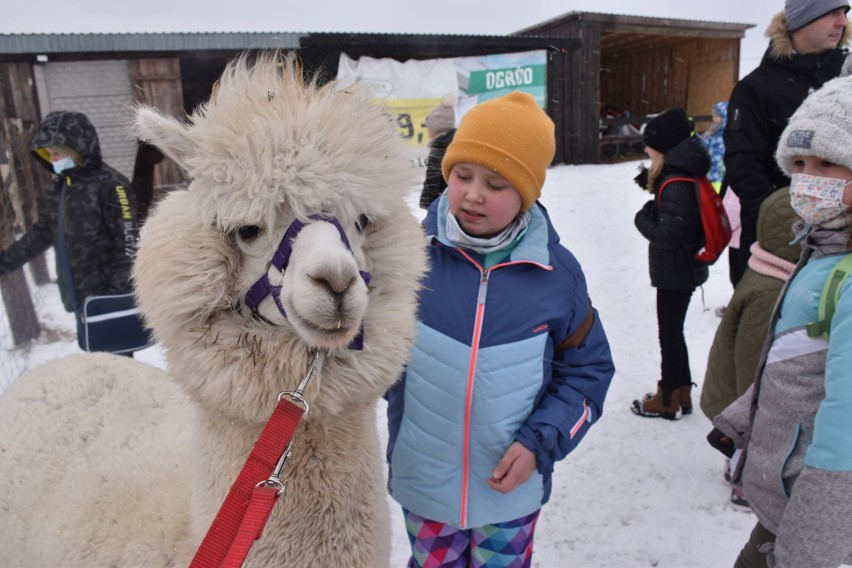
<point x="804" y="52"/>
<point x="88" y="214"/>
<point x="441" y="127"/>
<point x="671" y="222"/>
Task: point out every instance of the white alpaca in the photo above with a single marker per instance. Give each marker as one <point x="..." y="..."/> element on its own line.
<point x="105" y="461"/>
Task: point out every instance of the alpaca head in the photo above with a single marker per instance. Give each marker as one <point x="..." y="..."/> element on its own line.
<point x="293" y="234"/>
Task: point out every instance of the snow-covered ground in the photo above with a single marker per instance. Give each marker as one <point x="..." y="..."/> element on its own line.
<point x="637" y="492"/>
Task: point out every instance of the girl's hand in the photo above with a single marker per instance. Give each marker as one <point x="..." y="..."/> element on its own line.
<point x="516" y="467"/>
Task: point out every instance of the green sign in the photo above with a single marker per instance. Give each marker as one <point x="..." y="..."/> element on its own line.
<point x="514" y="79"/>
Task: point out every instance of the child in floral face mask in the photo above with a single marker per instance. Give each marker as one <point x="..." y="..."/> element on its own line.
<point x="820" y="191"/>
<point x="795" y="422"/>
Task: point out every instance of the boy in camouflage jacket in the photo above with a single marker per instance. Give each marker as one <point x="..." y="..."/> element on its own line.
<point x="88" y="214"/>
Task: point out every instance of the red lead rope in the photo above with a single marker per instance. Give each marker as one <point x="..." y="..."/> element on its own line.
<point x="244" y="512"/>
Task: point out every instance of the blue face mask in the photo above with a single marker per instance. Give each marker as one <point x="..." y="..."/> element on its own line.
<point x="63" y="164"/>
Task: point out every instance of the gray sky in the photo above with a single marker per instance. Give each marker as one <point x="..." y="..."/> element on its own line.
<point x="379" y="16"/>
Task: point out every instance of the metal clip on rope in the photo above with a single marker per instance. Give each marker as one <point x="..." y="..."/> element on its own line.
<point x="274" y="480"/>
<point x="299" y="394"/>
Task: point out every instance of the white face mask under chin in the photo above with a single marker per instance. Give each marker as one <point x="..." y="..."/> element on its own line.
<point x="816" y="199"/>
<point x="63" y="164"/>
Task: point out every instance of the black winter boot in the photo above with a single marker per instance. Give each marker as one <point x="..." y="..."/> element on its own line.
<point x="685" y="398"/>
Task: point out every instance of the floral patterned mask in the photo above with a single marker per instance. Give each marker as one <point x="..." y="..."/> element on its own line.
<point x="817" y="199"/>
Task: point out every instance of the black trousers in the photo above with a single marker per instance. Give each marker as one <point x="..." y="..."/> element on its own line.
<point x="674" y="357"/>
<point x="737" y="264"/>
<point x="750" y="556"/>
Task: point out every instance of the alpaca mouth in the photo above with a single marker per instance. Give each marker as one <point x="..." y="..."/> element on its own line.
<point x="338" y="329"/>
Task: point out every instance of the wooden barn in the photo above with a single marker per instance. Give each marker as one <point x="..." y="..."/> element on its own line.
<point x="594" y="63"/>
<point x="641" y="66"/>
<point x="103" y="75"/>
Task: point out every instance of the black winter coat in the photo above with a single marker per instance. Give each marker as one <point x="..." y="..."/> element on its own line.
<point x="434" y="184"/>
<point x="760" y="106"/>
<point x="672" y="222"/>
<point x="88" y="215"/>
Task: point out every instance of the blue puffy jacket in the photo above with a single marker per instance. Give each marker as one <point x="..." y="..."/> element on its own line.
<point x="486" y="371"/>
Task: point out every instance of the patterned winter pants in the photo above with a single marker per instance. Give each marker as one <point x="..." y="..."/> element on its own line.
<point x="503" y="545"/>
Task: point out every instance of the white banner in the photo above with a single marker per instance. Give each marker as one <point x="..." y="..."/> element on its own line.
<point x="410" y="90"/>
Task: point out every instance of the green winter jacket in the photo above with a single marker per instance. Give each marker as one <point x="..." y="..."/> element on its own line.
<point x="739" y="339"/>
<point x="88" y="214"/>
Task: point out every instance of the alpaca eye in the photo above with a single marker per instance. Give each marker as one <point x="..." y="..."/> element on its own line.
<point x="248" y="233"/>
<point x="361" y="223"/>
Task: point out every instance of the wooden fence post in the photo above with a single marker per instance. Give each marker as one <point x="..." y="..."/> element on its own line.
<point x="13" y="287"/>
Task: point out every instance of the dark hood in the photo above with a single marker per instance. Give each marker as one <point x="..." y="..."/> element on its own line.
<point x="689" y="157"/>
<point x="71" y="129"/>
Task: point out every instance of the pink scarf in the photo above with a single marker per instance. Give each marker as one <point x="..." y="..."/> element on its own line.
<point x="768" y="264"/>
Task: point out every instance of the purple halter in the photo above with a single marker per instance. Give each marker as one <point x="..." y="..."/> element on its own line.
<point x="263" y="287"/>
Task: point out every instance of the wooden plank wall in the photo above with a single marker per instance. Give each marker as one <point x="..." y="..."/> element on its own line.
<point x="577" y="123"/>
<point x="23" y="177"/>
<point x="22" y="180"/>
<point x="695" y="73"/>
<point x="156" y="83"/>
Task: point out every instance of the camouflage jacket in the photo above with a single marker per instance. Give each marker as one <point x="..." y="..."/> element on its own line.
<point x="88" y="215"/>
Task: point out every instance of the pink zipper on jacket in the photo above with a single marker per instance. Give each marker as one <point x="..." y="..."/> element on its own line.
<point x="485" y="273"/>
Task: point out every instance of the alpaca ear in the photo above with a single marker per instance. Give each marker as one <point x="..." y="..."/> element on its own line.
<point x="166" y="133"/>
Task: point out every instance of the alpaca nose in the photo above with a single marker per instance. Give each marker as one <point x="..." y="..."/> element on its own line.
<point x="335" y="284"/>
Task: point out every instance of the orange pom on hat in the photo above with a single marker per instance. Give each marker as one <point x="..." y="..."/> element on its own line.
<point x="511" y="135"/>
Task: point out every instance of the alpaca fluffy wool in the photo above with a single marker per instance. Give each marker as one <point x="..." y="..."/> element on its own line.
<point x="120" y="464"/>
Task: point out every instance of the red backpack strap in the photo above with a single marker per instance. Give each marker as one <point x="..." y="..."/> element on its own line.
<point x="670" y="180"/>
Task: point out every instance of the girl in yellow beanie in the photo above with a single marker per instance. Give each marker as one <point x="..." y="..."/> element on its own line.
<point x="511" y="363"/>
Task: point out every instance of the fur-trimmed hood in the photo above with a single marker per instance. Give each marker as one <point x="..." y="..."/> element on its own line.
<point x="780" y="42"/>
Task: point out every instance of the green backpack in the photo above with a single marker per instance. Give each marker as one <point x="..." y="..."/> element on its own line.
<point x="829" y="297"/>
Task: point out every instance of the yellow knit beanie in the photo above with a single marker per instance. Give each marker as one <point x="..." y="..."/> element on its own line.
<point x="511" y="135"/>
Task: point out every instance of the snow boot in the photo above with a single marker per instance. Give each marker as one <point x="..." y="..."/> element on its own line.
<point x="738" y="498"/>
<point x="662" y="404"/>
<point x="685" y="398"/>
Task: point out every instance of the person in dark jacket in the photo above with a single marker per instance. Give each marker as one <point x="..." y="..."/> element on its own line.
<point x="672" y="224"/>
<point x="440" y="126"/>
<point x="88" y="214"/>
<point x="803" y="54"/>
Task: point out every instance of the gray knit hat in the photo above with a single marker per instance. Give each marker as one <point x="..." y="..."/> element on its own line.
<point x="443" y="117"/>
<point x="821" y="127"/>
<point x="800" y="13"/>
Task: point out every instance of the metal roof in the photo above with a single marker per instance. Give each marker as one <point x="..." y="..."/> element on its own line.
<point x="27" y="44"/>
<point x="623" y="33"/>
<point x="646" y="24"/>
<point x="129" y="42"/>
